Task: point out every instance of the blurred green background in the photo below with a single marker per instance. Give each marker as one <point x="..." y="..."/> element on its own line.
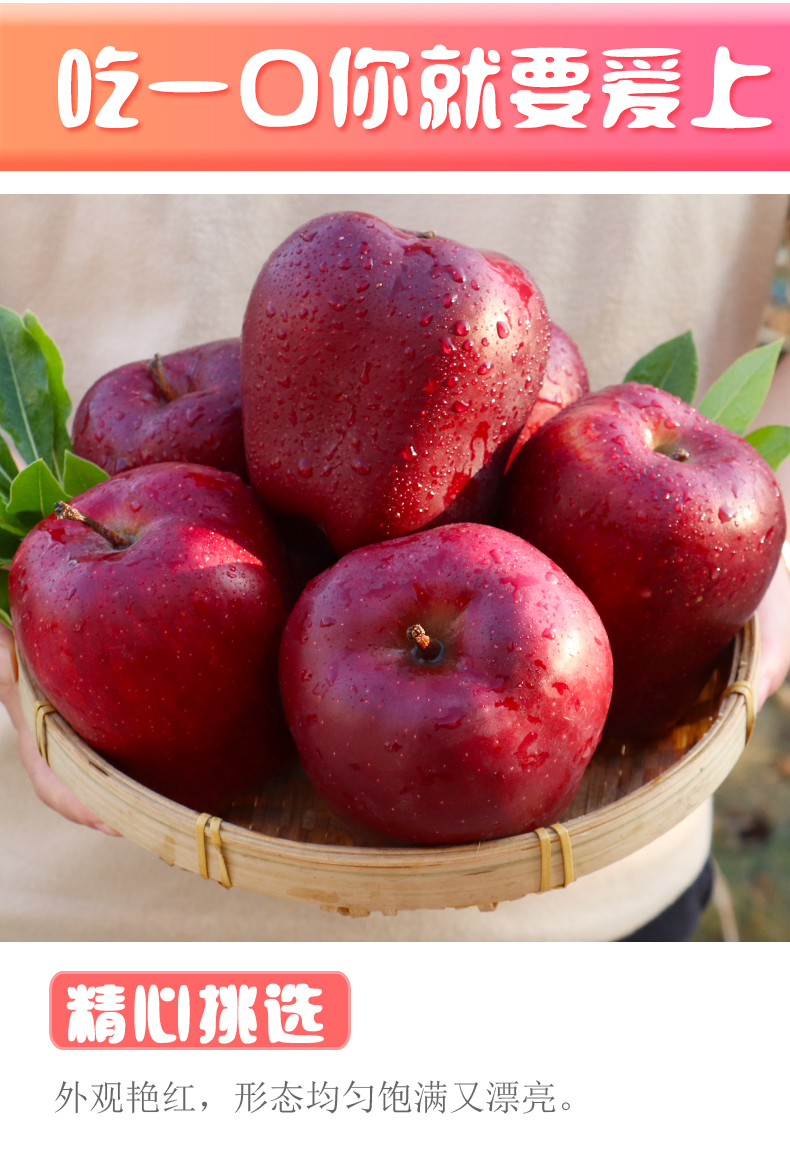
<point x="751" y="837"/>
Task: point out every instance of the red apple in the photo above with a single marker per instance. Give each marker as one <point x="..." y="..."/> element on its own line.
<point x="564" y="382"/>
<point x="384" y="376"/>
<point x="483" y="732"/>
<point x="183" y="407"/>
<point x="161" y="652"/>
<point x="669" y="522"/>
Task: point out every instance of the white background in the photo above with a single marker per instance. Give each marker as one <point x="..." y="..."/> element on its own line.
<point x="652" y="1047"/>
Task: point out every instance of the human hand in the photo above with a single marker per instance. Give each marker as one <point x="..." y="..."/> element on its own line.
<point x="774" y="617"/>
<point x="45" y="783"/>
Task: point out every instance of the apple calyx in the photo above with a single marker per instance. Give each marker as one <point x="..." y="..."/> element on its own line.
<point x="431" y="235"/>
<point x="158" y="375"/>
<point x="65" y="511"/>
<point x="431" y="651"/>
<point x="681" y="455"/>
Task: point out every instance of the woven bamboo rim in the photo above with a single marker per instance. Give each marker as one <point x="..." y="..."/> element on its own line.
<point x="357" y="880"/>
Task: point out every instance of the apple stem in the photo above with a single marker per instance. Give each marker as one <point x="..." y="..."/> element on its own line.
<point x="426" y="648"/>
<point x="157" y="371"/>
<point x="425" y="235"/>
<point x="682" y="455"/>
<point x="65" y="511"/>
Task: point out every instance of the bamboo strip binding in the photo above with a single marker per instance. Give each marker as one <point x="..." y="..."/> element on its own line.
<point x="42" y="709"/>
<point x="744" y="688"/>
<point x="213" y="823"/>
<point x="545" y="856"/>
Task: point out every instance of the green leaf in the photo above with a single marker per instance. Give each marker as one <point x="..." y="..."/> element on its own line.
<point x="80" y="474"/>
<point x="8" y="468"/>
<point x="772" y="442"/>
<point x="673" y="366"/>
<point x="61" y="401"/>
<point x="737" y="396"/>
<point x="8" y="546"/>
<point x="35" y="490"/>
<point x="25" y="403"/>
<point x="5" y="604"/>
<point x="10" y="523"/>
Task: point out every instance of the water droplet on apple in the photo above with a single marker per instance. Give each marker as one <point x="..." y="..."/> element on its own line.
<point x="548" y="633"/>
<point x="270" y="309"/>
<point x="485" y="368"/>
<point x="360" y="466"/>
<point x="461" y="328"/>
<point x="447" y="346"/>
<point x="726" y="512"/>
<point x="502" y="329"/>
<point x="135" y="505"/>
<point x="327" y="621"/>
<point x="305" y="470"/>
<point x="461" y="406"/>
<point x="425" y="320"/>
<point x="431" y="387"/>
<point x="552" y="578"/>
<point x="449" y="299"/>
<point x="336" y="302"/>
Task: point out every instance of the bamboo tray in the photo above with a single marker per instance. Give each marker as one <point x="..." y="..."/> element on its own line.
<point x="285" y="842"/>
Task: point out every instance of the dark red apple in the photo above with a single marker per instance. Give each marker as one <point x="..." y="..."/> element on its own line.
<point x="384" y="377"/>
<point x="182" y="407"/>
<point x="669" y="522"/>
<point x="564" y="382"/>
<point x="162" y="652"/>
<point x="447" y="687"/>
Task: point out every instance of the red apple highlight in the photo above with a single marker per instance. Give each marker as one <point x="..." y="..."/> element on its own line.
<point x="447" y="687"/>
<point x="161" y="651"/>
<point x="671" y="524"/>
<point x="182" y="407"/>
<point x="384" y="376"/>
<point x="565" y="381"/>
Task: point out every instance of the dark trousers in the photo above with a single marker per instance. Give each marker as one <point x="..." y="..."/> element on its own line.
<point x="679" y="921"/>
